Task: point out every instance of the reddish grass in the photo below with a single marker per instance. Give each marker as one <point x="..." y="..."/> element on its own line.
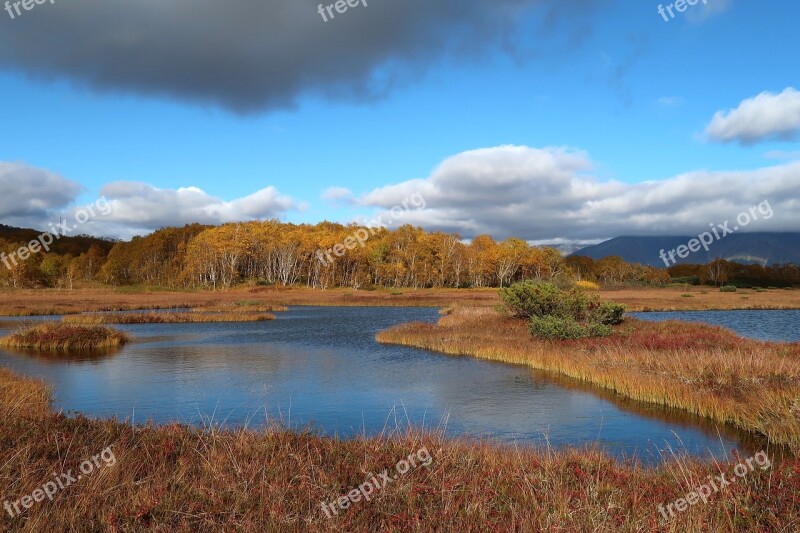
<point x="176" y="478"/>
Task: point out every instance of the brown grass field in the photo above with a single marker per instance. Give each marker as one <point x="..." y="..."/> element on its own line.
<point x="702" y="299"/>
<point x="705" y="370"/>
<point x="59" y="301"/>
<point x="176" y="478"/>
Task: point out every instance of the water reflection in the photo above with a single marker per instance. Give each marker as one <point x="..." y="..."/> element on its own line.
<point x="322" y="366"/>
<point x="67" y="356"/>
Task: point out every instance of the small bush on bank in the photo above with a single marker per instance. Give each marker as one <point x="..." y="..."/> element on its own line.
<point x="565" y="328"/>
<point x="728" y="288"/>
<point x="553" y="327"/>
<point x="609" y="313"/>
<point x="534" y="299"/>
<point x="555" y="313"/>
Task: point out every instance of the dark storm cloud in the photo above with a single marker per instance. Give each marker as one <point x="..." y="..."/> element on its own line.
<point x="250" y="55"/>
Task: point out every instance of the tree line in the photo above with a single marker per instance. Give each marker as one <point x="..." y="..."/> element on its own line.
<point x="720" y="271"/>
<point x="273" y="252"/>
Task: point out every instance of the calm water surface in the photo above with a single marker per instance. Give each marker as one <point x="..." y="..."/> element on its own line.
<point x="781" y="325"/>
<point x="322" y="367"/>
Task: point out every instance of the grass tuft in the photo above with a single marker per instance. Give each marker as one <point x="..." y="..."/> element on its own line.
<point x="60" y="336"/>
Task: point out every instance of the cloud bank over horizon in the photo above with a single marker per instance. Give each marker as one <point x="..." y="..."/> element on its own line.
<point x="550" y="194"/>
<point x="32" y="197"/>
<point x="537" y="194"/>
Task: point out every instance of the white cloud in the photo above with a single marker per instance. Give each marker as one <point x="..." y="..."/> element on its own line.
<point x="140" y="206"/>
<point x="537" y="194"/>
<point x="35" y="198"/>
<point x="338" y="195"/>
<point x="548" y="194"/>
<point x="31" y="194"/>
<point x="764" y="117"/>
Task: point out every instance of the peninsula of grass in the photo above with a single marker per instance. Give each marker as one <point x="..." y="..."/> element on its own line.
<point x="168" y="317"/>
<point x="705" y="370"/>
<point x="187" y="479"/>
<point x="61" y="336"/>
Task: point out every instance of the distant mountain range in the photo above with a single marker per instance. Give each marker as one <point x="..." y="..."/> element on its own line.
<point x="746" y="248"/>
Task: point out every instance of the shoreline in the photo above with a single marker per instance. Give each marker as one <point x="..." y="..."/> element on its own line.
<point x="198" y="479"/>
<point x="34" y="302"/>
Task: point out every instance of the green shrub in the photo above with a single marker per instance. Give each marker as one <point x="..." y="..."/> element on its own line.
<point x="565" y="328"/>
<point x="728" y="288"/>
<point x="554" y="313"/>
<point x="553" y="327"/>
<point x="533" y="299"/>
<point x="593" y="329"/>
<point x="609" y="313"/>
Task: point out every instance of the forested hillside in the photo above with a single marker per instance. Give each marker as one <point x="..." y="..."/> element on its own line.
<point x="272" y="252"/>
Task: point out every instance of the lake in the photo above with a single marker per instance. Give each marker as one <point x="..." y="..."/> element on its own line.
<point x="781" y="325"/>
<point x="320" y="366"/>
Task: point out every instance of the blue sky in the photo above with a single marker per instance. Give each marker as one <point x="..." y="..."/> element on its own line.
<point x="615" y="82"/>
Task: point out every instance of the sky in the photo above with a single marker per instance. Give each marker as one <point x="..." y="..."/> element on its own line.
<point x="548" y="120"/>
